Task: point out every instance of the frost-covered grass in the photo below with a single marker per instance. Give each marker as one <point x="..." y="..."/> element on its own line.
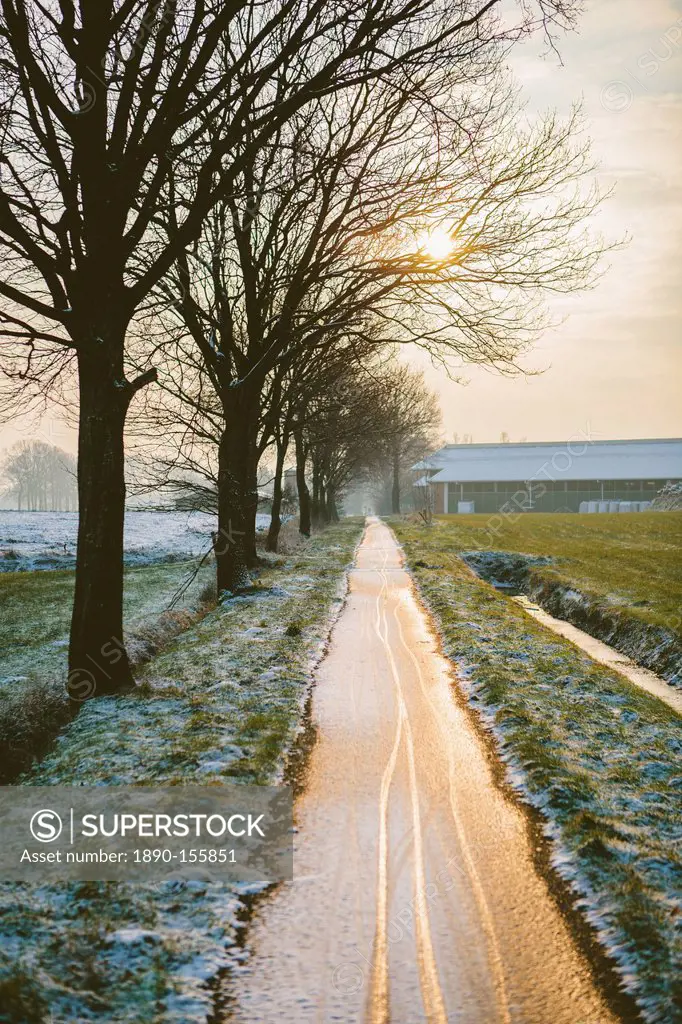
<point x="47" y="540"/>
<point x="222" y="702"/>
<point x="597" y="756"/>
<point x="633" y="561"/>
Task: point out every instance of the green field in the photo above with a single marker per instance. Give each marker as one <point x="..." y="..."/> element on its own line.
<point x="34" y="631"/>
<point x="633" y="561"/>
<point x="36" y="612"/>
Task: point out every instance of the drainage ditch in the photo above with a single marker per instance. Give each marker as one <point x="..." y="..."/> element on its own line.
<point x="647" y="655"/>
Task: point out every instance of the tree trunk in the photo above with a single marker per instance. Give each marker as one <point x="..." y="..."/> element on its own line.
<point x="332" y="511"/>
<point x="275" y="517"/>
<point x="395" y="491"/>
<point x="315" y="506"/>
<point x="250" y="526"/>
<point x="234" y="543"/>
<point x="304" y="511"/>
<point x="98" y="663"/>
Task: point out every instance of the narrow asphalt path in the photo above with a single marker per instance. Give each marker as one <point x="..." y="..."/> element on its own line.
<point x="416" y="897"/>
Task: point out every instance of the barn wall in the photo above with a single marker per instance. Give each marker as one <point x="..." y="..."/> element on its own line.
<point x="547" y="496"/>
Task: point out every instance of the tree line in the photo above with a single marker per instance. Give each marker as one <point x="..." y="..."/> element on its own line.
<point x="40" y="477"/>
<point x="214" y="220"/>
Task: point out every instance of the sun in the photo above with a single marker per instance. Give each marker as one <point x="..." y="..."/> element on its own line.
<point x="437" y="243"/>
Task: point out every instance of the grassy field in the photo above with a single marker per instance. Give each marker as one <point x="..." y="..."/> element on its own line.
<point x="36" y="611"/>
<point x="34" y="629"/>
<point x="597" y="757"/>
<point x="633" y="561"/>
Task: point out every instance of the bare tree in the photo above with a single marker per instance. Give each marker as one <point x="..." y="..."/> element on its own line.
<point x="41" y="477"/>
<point x="102" y="100"/>
<point x="323" y="237"/>
<point x="412" y="424"/>
<point x="312" y="378"/>
<point x="348" y="437"/>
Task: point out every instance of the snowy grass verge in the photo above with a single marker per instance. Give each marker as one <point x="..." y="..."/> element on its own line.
<point x="222" y="702"/>
<point x="599" y="758"/>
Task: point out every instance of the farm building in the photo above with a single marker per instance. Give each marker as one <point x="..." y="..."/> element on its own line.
<point x="546" y="476"/>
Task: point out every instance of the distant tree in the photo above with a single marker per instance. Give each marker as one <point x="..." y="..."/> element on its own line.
<point x="309" y="386"/>
<point x="412" y="423"/>
<point x="41" y="477"/>
<point x="349" y="434"/>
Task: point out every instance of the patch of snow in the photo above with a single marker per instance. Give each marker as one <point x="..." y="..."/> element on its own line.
<point x="47" y="540"/>
<point x="133" y="936"/>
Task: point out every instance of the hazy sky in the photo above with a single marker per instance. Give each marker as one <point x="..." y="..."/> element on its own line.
<point x="614" y="369"/>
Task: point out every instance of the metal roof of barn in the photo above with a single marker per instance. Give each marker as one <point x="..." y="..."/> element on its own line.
<point x="577" y="459"/>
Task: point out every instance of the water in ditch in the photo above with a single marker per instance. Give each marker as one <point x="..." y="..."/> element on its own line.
<point x="604" y="654"/>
